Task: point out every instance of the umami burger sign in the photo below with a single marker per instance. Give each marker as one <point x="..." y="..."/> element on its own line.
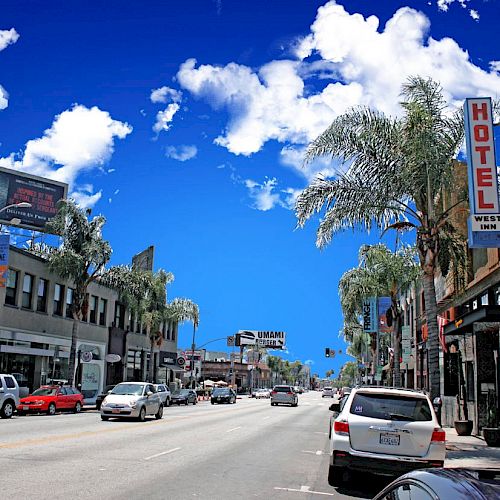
<point x="484" y="228"/>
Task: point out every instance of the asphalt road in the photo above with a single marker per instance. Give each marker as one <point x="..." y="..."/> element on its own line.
<point x="242" y="451"/>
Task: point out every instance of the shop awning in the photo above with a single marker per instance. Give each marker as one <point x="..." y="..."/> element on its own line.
<point x="464" y="324"/>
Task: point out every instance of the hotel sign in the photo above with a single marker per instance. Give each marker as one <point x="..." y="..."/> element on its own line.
<point x="484" y="222"/>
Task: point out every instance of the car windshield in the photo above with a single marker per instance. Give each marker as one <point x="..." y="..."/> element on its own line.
<point x="45" y="391"/>
<point x="282" y="388"/>
<point x="391" y="407"/>
<point x="130" y="389"/>
<point x="182" y="392"/>
<point x="220" y="392"/>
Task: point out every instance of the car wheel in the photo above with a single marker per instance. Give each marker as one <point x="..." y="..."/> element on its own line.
<point x="159" y="413"/>
<point x="78" y="407"/>
<point x="186" y="402"/>
<point x="7" y="409"/>
<point x="104" y="417"/>
<point x="142" y="414"/>
<point x="336" y="475"/>
<point x="52" y="409"/>
<point x="212" y="402"/>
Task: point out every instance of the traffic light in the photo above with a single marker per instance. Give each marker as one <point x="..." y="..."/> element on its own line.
<point x="327" y="352"/>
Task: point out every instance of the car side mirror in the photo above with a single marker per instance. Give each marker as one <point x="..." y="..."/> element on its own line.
<point x="335" y="407"/>
<point x="149" y="393"/>
<point x="109" y="392"/>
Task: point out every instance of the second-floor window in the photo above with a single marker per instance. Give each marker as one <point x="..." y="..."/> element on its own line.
<point x="58" y="299"/>
<point x="102" y="312"/>
<point x="27" y="291"/>
<point x="69" y="302"/>
<point x="41" y="299"/>
<point x="119" y="315"/>
<point x="11" y="287"/>
<point x="93" y="309"/>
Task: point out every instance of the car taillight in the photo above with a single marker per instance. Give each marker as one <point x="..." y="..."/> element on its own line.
<point x="341" y="428"/>
<point x="273" y="392"/>
<point x="290" y="393"/>
<point x="438" y="436"/>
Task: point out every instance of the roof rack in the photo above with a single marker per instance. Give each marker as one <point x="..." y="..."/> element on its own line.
<point x="367" y="386"/>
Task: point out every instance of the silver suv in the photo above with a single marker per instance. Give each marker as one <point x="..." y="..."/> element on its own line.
<point x="9" y="395"/>
<point x="284" y="394"/>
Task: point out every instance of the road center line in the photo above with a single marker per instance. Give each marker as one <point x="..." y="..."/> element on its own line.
<point x="305" y="489"/>
<point x="234" y="428"/>
<point x="162" y="453"/>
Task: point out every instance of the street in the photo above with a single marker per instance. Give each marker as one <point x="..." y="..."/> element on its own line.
<point x="246" y="450"/>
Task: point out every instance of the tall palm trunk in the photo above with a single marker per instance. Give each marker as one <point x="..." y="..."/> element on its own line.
<point x="72" y="352"/>
<point x="433" y="340"/>
<point x="151" y="359"/>
<point x="396" y="345"/>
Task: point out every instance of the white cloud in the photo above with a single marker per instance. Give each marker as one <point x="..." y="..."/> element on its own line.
<point x="444" y="5"/>
<point x="165" y="117"/>
<point x="309" y="362"/>
<point x="7" y="37"/>
<point x="276" y="101"/>
<point x="181" y="153"/>
<point x="495" y="66"/>
<point x="165" y="94"/>
<point x="262" y="194"/>
<point x="474" y="14"/>
<point x="294" y="157"/>
<point x="86" y="198"/>
<point x="80" y="140"/>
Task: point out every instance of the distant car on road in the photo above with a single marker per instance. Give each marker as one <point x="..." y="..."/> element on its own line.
<point x="184" y="397"/>
<point x="263" y="393"/>
<point x="164" y="393"/>
<point x="284" y="394"/>
<point x="223" y="395"/>
<point x="50" y="398"/>
<point x="443" y="484"/>
<point x="132" y="399"/>
<point x="327" y="392"/>
<point x="100" y="397"/>
<point x="9" y="395"/>
<point x="384" y="430"/>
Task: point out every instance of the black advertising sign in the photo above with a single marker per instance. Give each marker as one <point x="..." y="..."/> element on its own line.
<point x="168" y="358"/>
<point x="43" y="195"/>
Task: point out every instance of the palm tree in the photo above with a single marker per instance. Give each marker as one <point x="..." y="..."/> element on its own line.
<point x="398" y="171"/>
<point x="80" y="258"/>
<point x="329" y="373"/>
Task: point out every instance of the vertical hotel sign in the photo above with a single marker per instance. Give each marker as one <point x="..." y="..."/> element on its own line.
<point x="4" y="258"/>
<point x="484" y="222"/>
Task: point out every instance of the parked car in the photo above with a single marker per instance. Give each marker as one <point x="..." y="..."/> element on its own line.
<point x="9" y="395"/>
<point x="100" y="397"/>
<point x="384" y="430"/>
<point x="345" y="391"/>
<point x="223" y="395"/>
<point x="459" y="484"/>
<point x="184" y="397"/>
<point x="50" y="398"/>
<point x="22" y="382"/>
<point x="284" y="394"/>
<point x="327" y="392"/>
<point x="132" y="399"/>
<point x="298" y="389"/>
<point x="253" y="393"/>
<point x="164" y="393"/>
<point x="263" y="393"/>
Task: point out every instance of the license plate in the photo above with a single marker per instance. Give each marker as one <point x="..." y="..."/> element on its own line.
<point x="26" y="407"/>
<point x="389" y="439"/>
<point x="115" y="411"/>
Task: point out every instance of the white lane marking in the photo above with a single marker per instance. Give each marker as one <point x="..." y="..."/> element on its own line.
<point x="234" y="428"/>
<point x="265" y="418"/>
<point x="318" y="452"/>
<point x="305" y="489"/>
<point x="324" y="433"/>
<point x="162" y="453"/>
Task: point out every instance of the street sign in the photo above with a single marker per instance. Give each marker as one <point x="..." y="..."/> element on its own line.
<point x="181" y="361"/>
<point x="230" y="341"/>
<point x="270" y="340"/>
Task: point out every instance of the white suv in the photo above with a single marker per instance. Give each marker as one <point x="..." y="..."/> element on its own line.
<point x="9" y="396"/>
<point x="386" y="431"/>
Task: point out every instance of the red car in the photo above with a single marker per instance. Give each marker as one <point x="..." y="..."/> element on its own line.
<point x="50" y="398"/>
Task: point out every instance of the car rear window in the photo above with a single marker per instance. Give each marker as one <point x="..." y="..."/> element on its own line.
<point x="391" y="407"/>
<point x="282" y="388"/>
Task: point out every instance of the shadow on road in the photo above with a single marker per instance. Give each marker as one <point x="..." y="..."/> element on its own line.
<point x="364" y="485"/>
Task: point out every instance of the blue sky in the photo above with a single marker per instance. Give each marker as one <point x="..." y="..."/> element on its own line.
<point x="184" y="123"/>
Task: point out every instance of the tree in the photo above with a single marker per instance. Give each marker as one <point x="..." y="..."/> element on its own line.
<point x="380" y="273"/>
<point x="80" y="258"/>
<point x="398" y="171"/>
<point x="348" y="374"/>
<point x="329" y="373"/>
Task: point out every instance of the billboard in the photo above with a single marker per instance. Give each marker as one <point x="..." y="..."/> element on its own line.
<point x="4" y="258"/>
<point x="370" y="315"/>
<point x="269" y="340"/>
<point x="384" y="303"/>
<point x="42" y="194"/>
<point x="484" y="226"/>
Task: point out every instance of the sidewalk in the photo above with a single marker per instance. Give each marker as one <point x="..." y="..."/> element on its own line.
<point x="469" y="451"/>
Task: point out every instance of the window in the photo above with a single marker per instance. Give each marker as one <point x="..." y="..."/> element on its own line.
<point x="27" y="297"/>
<point x="408" y="491"/>
<point x="451" y="369"/>
<point x="392" y="407"/>
<point x="10" y="383"/>
<point x="69" y="302"/>
<point x="484" y="299"/>
<point x="102" y="312"/>
<point x="119" y="315"/>
<point x="62" y="391"/>
<point x="131" y="321"/>
<point x="41" y="300"/>
<point x="58" y="296"/>
<point x="11" y="287"/>
<point x="93" y="309"/>
<point x="469" y="373"/>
